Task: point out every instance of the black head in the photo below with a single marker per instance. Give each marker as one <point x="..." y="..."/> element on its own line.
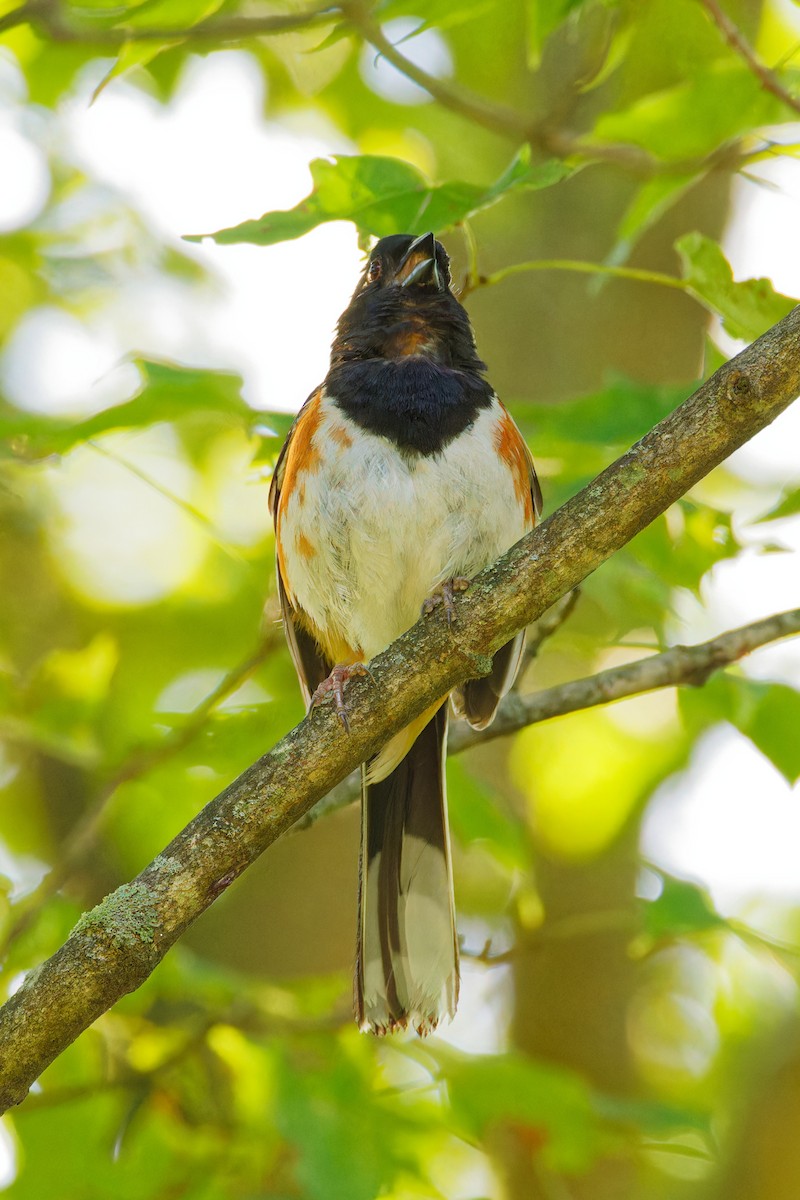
<point x="406" y="262"/>
<point x="403" y="307"/>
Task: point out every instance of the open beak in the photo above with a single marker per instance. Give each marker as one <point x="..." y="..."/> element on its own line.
<point x="419" y="264"/>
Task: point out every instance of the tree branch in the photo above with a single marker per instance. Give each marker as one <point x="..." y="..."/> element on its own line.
<point x="46" y="16"/>
<point x="543" y="133"/>
<point x="83" y="836"/>
<point x="739" y="43"/>
<point x="118" y="944"/>
<point x="681" y="665"/>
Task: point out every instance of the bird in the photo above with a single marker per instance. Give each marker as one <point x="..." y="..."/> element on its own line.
<point x="402" y="476"/>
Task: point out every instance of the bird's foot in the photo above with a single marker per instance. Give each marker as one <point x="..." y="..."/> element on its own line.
<point x="335" y="684"/>
<point x="444" y="596"/>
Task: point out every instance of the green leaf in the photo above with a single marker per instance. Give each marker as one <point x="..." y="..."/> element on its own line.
<point x="775" y="725"/>
<point x="656" y="1119"/>
<point x="478" y="815"/>
<point x="549" y="1107"/>
<point x="694" y="117"/>
<point x="682" y="907"/>
<point x="168" y="393"/>
<point x="682" y="545"/>
<point x="652" y="200"/>
<point x="179" y="16"/>
<point x="347" y="1143"/>
<point x="170" y="14"/>
<point x="766" y="713"/>
<point x="131" y="56"/>
<point x="543" y="17"/>
<point x="747" y="309"/>
<point x="580" y="436"/>
<point x="439" y="14"/>
<point x="787" y="506"/>
<point x="617" y="415"/>
<point x="386" y="195"/>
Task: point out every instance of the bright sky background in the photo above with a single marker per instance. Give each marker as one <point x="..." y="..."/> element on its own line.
<point x="209" y="161"/>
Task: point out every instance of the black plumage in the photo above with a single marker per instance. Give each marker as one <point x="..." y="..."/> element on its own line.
<point x="404" y="363"/>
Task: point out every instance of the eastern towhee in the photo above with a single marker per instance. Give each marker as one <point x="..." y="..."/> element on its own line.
<point x="401" y="478"/>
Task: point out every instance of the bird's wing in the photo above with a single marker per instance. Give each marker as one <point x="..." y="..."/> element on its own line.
<point x="310" y="663"/>
<point x="477" y="699"/>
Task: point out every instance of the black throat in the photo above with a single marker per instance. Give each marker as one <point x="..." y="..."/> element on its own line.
<point x="414" y="401"/>
<point x="404" y="366"/>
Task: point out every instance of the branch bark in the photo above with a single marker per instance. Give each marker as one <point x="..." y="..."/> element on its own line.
<point x="118" y="944"/>
<point x="687" y="665"/>
<point x="679" y="666"/>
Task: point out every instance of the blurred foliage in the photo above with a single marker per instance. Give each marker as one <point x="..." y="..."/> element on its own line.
<point x="615" y="1027"/>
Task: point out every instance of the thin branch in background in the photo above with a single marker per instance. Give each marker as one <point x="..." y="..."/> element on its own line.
<point x="682" y="666"/>
<point x="83" y="837"/>
<point x="573" y="925"/>
<point x="473" y="271"/>
<point x="546" y="627"/>
<point x="545" y="135"/>
<point x="15" y="17"/>
<point x="194" y="514"/>
<point x="739" y="43"/>
<point x="60" y="26"/>
<point x="679" y="666"/>
<point x="497" y="118"/>
<point x="637" y="274"/>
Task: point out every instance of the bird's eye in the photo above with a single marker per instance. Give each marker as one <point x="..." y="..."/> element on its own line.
<point x="374" y="271"/>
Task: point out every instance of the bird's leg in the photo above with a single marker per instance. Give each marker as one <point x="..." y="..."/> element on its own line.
<point x="335" y="683"/>
<point x="444" y="595"/>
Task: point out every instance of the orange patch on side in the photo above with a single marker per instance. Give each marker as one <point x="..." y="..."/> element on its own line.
<point x="302" y="455"/>
<point x="511" y="447"/>
<point x="333" y="646"/>
<point x="304" y="547"/>
<point x="340" y="435"/>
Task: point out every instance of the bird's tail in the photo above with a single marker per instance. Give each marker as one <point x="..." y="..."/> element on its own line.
<point x="407" y="958"/>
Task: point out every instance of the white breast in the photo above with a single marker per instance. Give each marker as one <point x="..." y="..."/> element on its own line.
<point x="387" y="528"/>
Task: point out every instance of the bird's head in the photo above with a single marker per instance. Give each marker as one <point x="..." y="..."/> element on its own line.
<point x="403" y="306"/>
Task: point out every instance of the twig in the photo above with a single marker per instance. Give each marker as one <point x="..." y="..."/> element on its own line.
<point x="573" y="925"/>
<point x="24" y="15"/>
<point x="83" y="836"/>
<point x="546" y="627"/>
<point x="60" y="27"/>
<point x="680" y="666"/>
<point x="545" y="135"/>
<point x="114" y="948"/>
<point x="497" y="118"/>
<point x="473" y="271"/>
<point x="738" y="42"/>
<point x="637" y="274"/>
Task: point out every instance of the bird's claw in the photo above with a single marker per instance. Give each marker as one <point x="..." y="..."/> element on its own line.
<point x="341" y="674"/>
<point x="444" y="596"/>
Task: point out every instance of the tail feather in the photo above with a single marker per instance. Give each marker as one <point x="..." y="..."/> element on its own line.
<point x="407" y="960"/>
<point x="477" y="699"/>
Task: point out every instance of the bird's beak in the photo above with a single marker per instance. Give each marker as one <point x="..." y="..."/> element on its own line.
<point x="419" y="264"/>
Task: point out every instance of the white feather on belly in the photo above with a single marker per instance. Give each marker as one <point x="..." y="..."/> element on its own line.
<point x="387" y="528"/>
